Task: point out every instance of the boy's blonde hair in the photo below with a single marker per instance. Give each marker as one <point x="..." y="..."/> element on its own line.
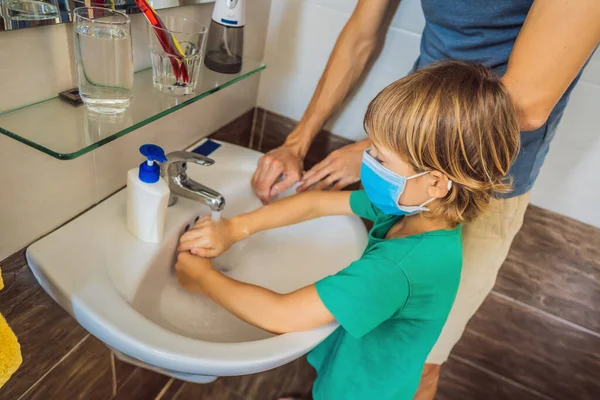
<point x="456" y="118"/>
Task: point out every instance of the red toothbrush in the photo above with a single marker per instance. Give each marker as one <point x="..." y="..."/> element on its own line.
<point x="167" y="41"/>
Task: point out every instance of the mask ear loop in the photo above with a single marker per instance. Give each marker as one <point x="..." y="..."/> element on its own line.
<point x="417" y="175"/>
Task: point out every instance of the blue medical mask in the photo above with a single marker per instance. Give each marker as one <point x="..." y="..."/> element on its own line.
<point x="384" y="187"/>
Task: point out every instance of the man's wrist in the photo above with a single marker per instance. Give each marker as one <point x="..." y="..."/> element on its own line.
<point x="298" y="146"/>
<point x="300" y="139"/>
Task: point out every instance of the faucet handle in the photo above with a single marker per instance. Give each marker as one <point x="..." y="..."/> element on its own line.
<point x="176" y="163"/>
<point x="187" y="156"/>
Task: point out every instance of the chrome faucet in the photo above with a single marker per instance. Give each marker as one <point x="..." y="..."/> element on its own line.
<point x="174" y="172"/>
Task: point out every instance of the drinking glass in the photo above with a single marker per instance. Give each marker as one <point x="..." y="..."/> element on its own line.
<point x="104" y="58"/>
<point x="176" y="52"/>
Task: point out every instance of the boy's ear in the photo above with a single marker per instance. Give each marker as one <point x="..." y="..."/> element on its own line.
<point x="439" y="185"/>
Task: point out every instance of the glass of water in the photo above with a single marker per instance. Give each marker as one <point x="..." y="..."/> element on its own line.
<point x="104" y="58"/>
<point x="176" y="51"/>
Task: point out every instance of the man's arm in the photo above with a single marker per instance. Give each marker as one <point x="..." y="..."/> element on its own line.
<point x="356" y="44"/>
<point x="557" y="38"/>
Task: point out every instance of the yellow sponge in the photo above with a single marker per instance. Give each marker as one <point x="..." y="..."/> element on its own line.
<point x="10" y="350"/>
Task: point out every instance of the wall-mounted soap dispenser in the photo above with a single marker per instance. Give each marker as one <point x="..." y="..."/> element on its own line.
<point x="225" y="44"/>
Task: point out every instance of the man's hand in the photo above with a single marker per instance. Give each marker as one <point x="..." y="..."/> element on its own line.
<point x="338" y="170"/>
<point x="362" y="35"/>
<point x="283" y="161"/>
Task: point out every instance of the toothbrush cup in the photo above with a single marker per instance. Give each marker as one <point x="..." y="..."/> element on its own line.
<point x="176" y="52"/>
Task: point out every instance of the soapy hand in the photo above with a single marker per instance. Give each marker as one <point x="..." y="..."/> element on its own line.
<point x="190" y="270"/>
<point x="209" y="238"/>
<point x="282" y="162"/>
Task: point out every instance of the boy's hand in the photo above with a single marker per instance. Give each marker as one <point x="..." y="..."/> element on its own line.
<point x="190" y="270"/>
<point x="210" y="238"/>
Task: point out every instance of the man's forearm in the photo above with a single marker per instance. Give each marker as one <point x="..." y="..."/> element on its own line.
<point x="353" y="49"/>
<point x="345" y="66"/>
<point x="552" y="47"/>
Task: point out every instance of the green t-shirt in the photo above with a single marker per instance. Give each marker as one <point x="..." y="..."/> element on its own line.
<point x="391" y="304"/>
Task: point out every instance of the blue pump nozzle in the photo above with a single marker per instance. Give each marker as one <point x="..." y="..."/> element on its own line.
<point x="150" y="169"/>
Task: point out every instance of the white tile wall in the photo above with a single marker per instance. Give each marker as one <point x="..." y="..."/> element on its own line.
<point x="409" y="15"/>
<point x="592" y="71"/>
<point x="302" y="34"/>
<point x="569" y="182"/>
<point x="39" y="192"/>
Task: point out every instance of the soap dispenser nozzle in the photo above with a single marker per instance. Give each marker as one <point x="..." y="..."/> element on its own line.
<point x="149" y="169"/>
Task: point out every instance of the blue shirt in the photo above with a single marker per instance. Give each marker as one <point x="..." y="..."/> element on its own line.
<point x="484" y="32"/>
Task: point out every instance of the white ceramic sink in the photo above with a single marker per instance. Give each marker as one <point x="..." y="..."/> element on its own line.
<point x="125" y="292"/>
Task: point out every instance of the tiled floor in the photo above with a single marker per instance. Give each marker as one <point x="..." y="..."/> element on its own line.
<point x="537" y="336"/>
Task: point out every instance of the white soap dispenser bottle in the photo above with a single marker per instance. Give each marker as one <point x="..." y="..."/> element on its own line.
<point x="147" y="196"/>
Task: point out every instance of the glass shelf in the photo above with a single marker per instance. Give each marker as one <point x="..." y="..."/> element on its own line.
<point x="66" y="132"/>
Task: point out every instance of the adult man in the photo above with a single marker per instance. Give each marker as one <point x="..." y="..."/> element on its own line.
<point x="538" y="47"/>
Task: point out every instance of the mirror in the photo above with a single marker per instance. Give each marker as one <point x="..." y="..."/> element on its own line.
<point x="20" y="14"/>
